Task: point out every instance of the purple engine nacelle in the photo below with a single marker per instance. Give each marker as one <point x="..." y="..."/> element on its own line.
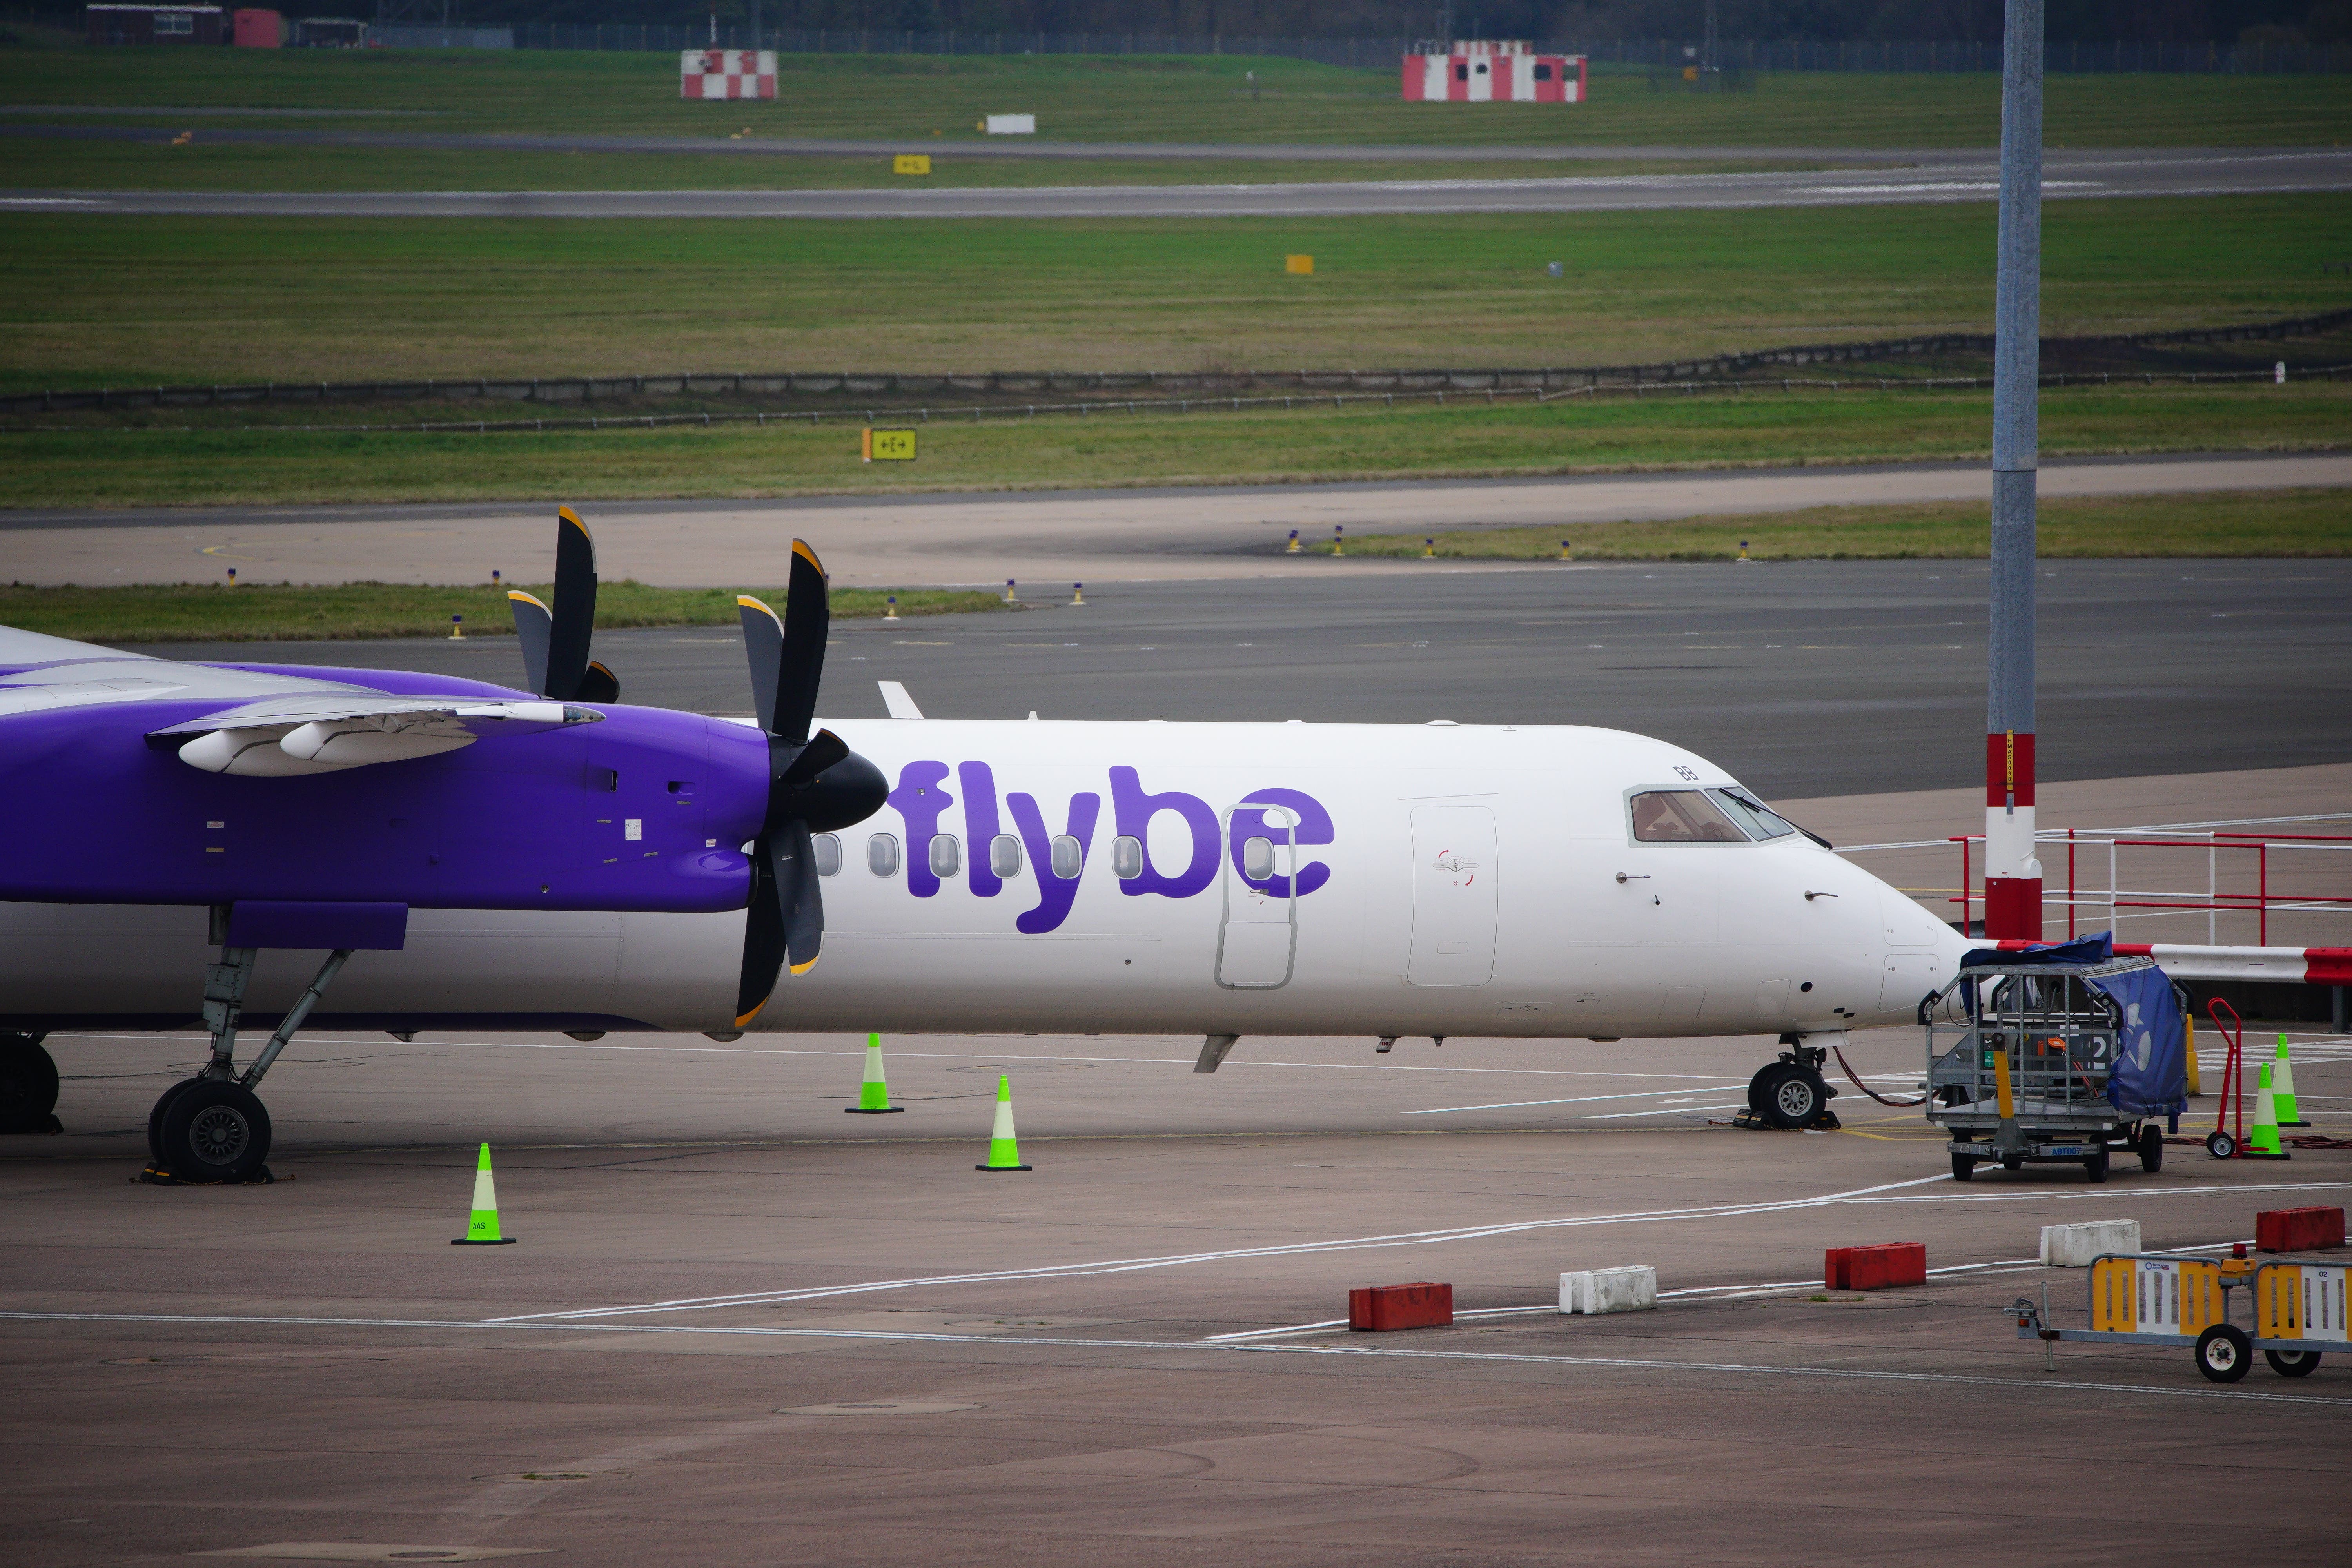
<point x="648" y="810"/>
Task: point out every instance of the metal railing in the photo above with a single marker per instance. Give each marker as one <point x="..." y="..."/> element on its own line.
<point x="2249" y="865"/>
<point x="1755" y="54"/>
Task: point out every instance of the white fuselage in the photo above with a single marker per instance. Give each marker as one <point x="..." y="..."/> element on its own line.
<point x="1432" y="879"/>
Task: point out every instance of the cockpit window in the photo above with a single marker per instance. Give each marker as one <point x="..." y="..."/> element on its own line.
<point x="1760" y="820"/>
<point x="1682" y="816"/>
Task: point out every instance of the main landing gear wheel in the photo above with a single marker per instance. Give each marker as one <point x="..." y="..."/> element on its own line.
<point x="1792" y="1096"/>
<point x="2151" y="1148"/>
<point x="28" y="1085"/>
<point x="2096" y="1166"/>
<point x="2224" y="1354"/>
<point x="155" y="1116"/>
<point x="2292" y="1363"/>
<point x="213" y="1129"/>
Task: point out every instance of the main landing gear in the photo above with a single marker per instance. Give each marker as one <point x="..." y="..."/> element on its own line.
<point x="1792" y="1093"/>
<point x="212" y="1128"/>
<point x="28" y="1085"/>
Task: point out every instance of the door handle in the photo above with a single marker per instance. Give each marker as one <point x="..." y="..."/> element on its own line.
<point x="1810" y="895"/>
<point x="1643" y="877"/>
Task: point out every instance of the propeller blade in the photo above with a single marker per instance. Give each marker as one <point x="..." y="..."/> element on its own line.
<point x="764" y="644"/>
<point x="763" y="939"/>
<point x="533" y="623"/>
<point x="803" y="904"/>
<point x="598" y="684"/>
<point x="808" y="616"/>
<point x="821" y="752"/>
<point x="785" y="922"/>
<point x="574" y="615"/>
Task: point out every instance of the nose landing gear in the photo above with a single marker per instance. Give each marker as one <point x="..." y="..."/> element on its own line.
<point x="1792" y="1093"/>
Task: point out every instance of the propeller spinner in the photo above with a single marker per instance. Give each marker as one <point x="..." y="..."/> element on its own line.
<point x="555" y="640"/>
<point x="815" y="782"/>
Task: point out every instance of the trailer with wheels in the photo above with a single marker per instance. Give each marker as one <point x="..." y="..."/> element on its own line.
<point x="2298" y="1313"/>
<point x="2063" y="1055"/>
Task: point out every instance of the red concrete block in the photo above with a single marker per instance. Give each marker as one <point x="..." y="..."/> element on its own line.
<point x="1886" y="1265"/>
<point x="1378" y="1308"/>
<point x="2298" y="1230"/>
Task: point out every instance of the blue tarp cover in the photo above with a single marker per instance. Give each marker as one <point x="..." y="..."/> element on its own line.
<point x="2150" y="1074"/>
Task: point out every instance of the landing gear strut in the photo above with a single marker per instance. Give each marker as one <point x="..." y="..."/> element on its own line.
<point x="212" y="1128"/>
<point x="1791" y="1092"/>
<point x="28" y="1085"/>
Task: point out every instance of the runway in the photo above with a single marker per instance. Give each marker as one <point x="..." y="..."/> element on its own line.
<point x="1052" y="537"/>
<point x="1805" y="679"/>
<point x="2064" y="176"/>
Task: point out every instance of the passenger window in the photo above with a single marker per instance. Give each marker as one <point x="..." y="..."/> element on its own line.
<point x="1005" y="855"/>
<point x="882" y="855"/>
<point x="947" y="855"/>
<point x="1681" y="817"/>
<point x="1069" y="858"/>
<point x="828" y="853"/>
<point x="1258" y="858"/>
<point x="1126" y="858"/>
<point x="1760" y="820"/>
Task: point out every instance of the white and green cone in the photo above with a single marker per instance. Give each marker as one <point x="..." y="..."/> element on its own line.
<point x="873" y="1094"/>
<point x="1003" y="1149"/>
<point x="482" y="1230"/>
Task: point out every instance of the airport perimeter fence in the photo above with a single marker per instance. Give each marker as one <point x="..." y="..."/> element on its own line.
<point x="1750" y="54"/>
<point x="1164" y="385"/>
<point x="975" y="414"/>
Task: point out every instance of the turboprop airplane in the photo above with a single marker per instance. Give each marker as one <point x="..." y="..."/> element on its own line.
<point x="438" y="854"/>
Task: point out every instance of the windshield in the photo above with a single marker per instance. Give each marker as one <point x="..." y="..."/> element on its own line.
<point x="1760" y="820"/>
<point x="1682" y="816"/>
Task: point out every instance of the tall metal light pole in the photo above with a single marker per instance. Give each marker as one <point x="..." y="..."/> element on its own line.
<point x="2012" y="874"/>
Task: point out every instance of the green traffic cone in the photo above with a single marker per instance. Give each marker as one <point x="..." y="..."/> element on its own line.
<point x="2283" y="1088"/>
<point x="1004" y="1150"/>
<point x="2264" y="1136"/>
<point x="482" y="1230"/>
<point x="873" y="1094"/>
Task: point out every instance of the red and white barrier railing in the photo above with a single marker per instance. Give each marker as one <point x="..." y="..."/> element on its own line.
<point x="2239" y="880"/>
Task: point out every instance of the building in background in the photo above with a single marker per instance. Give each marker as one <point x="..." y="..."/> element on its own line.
<point x="258" y="29"/>
<point x="330" y="33"/>
<point x="155" y="24"/>
<point x="1482" y="70"/>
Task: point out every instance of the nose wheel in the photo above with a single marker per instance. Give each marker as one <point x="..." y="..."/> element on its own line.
<point x="209" y="1131"/>
<point x="1792" y="1093"/>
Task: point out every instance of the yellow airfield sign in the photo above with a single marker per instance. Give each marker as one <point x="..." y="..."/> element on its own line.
<point x="888" y="445"/>
<point x="911" y="163"/>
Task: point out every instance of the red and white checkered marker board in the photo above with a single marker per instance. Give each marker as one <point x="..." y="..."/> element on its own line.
<point x="726" y="73"/>
<point x="1484" y="73"/>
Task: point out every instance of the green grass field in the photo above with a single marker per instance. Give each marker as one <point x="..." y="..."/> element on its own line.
<point x="2219" y="525"/>
<point x="129" y="466"/>
<point x="281" y="613"/>
<point x="1152" y="98"/>
<point x="126" y="301"/>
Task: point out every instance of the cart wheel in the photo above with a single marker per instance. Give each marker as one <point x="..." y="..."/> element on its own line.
<point x="2151" y="1148"/>
<point x="2096" y="1166"/>
<point x="2224" y="1354"/>
<point x="2221" y="1145"/>
<point x="2292" y="1363"/>
<point x="2012" y="1165"/>
<point x="1963" y="1169"/>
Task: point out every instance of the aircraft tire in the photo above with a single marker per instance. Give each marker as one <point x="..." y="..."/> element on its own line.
<point x="1793" y="1096"/>
<point x="1759" y="1087"/>
<point x="215" y="1131"/>
<point x="155" y="1117"/>
<point x="28" y="1084"/>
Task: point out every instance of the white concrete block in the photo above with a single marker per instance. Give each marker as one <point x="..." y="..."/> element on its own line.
<point x="1633" y="1289"/>
<point x="2075" y="1245"/>
<point x="1013" y="125"/>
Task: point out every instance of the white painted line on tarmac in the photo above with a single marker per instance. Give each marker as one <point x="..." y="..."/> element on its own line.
<point x="1667" y="1111"/>
<point x="1185" y="1061"/>
<point x="1841" y="1371"/>
<point x="920" y="1337"/>
<point x="1291" y="1249"/>
<point x="1578" y="1099"/>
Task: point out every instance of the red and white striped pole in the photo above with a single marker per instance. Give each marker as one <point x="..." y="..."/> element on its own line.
<point x="2012" y="873"/>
